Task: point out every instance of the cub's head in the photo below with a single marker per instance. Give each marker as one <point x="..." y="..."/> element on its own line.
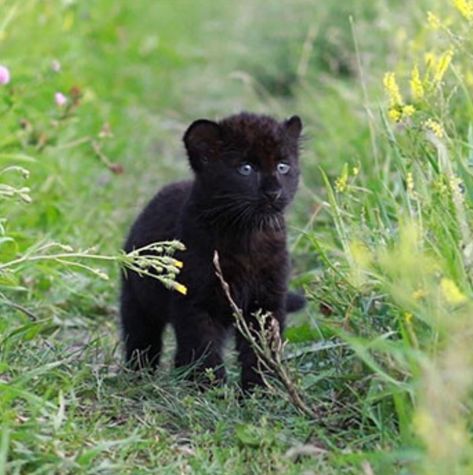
<point x="248" y="166"/>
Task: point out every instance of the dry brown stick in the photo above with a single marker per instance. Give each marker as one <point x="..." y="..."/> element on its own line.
<point x="268" y="349"/>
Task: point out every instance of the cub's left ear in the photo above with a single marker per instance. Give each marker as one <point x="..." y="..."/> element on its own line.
<point x="202" y="141"/>
<point x="293" y="127"/>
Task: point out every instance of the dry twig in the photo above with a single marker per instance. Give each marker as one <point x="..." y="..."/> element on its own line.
<point x="267" y="345"/>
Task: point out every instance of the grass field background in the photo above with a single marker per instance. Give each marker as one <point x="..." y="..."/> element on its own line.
<point x="380" y="231"/>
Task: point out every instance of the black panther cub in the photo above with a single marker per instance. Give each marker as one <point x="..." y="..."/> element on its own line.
<point x="246" y="172"/>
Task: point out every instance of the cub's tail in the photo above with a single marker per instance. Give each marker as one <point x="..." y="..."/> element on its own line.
<point x="294" y="302"/>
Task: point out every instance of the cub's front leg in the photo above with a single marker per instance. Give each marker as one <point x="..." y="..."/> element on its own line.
<point x="199" y="343"/>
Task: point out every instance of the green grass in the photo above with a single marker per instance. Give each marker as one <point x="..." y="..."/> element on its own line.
<point x="380" y="233"/>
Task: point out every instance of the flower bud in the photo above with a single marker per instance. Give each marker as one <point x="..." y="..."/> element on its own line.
<point x="4" y="75"/>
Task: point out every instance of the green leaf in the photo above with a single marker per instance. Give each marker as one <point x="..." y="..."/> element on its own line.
<point x="4" y="444"/>
<point x="248" y="434"/>
<point x="302" y="333"/>
<point x="17" y="157"/>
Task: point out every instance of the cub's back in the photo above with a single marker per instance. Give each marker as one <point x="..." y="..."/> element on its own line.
<point x="158" y="221"/>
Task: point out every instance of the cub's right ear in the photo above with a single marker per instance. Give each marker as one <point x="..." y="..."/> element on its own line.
<point x="202" y="141"/>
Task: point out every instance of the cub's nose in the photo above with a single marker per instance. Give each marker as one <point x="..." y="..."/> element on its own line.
<point x="272" y="195"/>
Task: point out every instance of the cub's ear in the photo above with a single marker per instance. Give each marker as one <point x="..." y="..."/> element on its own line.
<point x="202" y="140"/>
<point x="293" y="127"/>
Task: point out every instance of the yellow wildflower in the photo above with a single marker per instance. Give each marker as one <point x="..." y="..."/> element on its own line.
<point x="419" y="294"/>
<point x="417" y="88"/>
<point x="409" y="182"/>
<point x="424" y="423"/>
<point x="178" y="264"/>
<point x="457" y="187"/>
<point x="68" y="22"/>
<point x="394" y="114"/>
<point x="360" y="254"/>
<point x="465" y="7"/>
<point x="451" y="292"/>
<point x="435" y="127"/>
<point x="439" y="186"/>
<point x="182" y="289"/>
<point x="392" y="89"/>
<point x="408" y="317"/>
<point x="433" y="21"/>
<point x="360" y="260"/>
<point x="442" y="65"/>
<point x="430" y="59"/>
<point x="469" y="78"/>
<point x="408" y="111"/>
<point x="355" y="171"/>
<point x="341" y="183"/>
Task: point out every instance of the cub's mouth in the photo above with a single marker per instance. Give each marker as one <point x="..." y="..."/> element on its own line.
<point x="272" y="207"/>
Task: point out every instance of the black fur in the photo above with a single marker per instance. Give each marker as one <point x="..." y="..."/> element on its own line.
<point x="294" y="302"/>
<point x="223" y="209"/>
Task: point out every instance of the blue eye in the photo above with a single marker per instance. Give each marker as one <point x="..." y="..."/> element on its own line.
<point x="245" y="169"/>
<point x="283" y="168"/>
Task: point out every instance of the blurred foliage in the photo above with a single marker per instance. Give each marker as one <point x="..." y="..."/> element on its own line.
<point x="380" y="233"/>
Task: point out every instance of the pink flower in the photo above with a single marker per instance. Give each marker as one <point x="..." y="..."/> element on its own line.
<point x="4" y="75"/>
<point x="60" y="99"/>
